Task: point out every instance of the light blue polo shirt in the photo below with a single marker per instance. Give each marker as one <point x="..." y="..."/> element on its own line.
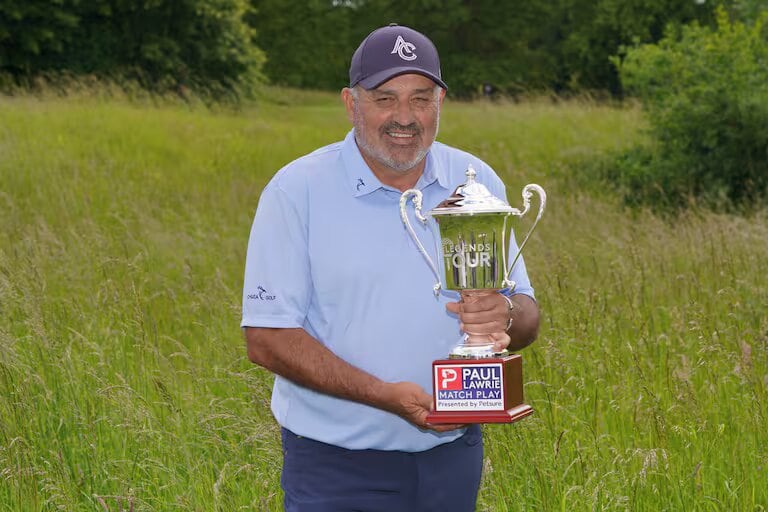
<point x="329" y="253"/>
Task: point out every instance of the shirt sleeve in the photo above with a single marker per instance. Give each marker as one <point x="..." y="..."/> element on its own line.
<point x="519" y="274"/>
<point x="277" y="283"/>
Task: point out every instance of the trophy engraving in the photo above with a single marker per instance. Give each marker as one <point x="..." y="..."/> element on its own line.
<point x="475" y="384"/>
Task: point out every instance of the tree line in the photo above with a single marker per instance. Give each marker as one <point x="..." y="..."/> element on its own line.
<point x="235" y="45"/>
<point x="159" y="44"/>
<point x="513" y="46"/>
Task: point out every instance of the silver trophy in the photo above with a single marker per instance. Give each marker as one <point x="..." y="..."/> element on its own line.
<point x="474" y="229"/>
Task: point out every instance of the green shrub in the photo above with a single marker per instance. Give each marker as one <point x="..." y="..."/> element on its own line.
<point x="705" y="92"/>
<point x="203" y="45"/>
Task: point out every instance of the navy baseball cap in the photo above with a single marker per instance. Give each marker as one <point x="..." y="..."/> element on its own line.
<point x="391" y="51"/>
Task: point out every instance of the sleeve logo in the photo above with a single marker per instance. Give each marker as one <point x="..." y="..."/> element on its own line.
<point x="261" y="295"/>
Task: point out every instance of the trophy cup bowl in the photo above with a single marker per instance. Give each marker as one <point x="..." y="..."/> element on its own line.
<point x="474" y="384"/>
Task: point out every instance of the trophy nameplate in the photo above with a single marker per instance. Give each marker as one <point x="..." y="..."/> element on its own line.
<point x="487" y="390"/>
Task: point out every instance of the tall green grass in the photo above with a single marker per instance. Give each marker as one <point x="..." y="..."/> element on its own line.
<point x="123" y="376"/>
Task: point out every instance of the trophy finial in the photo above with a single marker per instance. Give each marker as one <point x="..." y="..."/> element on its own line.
<point x="471" y="173"/>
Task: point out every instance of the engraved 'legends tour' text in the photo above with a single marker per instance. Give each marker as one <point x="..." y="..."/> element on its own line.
<point x="467" y="254"/>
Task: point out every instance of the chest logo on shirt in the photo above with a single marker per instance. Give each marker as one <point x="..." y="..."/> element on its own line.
<point x="261" y="294"/>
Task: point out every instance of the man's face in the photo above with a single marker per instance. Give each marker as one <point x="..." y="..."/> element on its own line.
<point x="396" y="123"/>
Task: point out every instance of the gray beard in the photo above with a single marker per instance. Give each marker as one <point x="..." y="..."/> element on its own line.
<point x="380" y="155"/>
<point x="384" y="159"/>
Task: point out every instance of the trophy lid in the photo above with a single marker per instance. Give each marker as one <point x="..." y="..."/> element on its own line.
<point x="471" y="198"/>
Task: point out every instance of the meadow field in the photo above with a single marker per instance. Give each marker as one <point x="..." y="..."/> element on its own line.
<point x="124" y="382"/>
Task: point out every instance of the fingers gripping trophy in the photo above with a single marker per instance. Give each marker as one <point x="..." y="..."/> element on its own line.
<point x="475" y="384"/>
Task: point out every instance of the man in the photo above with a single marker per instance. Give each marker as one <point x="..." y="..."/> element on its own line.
<point x="338" y="301"/>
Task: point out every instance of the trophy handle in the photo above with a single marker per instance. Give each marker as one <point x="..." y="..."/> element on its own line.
<point x="527" y="193"/>
<point x="417" y="201"/>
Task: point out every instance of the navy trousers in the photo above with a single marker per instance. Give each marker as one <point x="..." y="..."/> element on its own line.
<point x="319" y="477"/>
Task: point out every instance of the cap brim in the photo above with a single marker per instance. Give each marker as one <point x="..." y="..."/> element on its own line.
<point x="379" y="78"/>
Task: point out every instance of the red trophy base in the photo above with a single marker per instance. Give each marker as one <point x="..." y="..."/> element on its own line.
<point x="487" y="390"/>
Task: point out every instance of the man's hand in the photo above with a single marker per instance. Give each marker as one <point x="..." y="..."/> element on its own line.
<point x="487" y="315"/>
<point x="297" y="356"/>
<point x="409" y="401"/>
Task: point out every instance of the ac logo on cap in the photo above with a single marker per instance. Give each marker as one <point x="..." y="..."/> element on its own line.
<point x="404" y="49"/>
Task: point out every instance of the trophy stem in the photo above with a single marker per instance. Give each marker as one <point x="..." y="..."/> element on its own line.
<point x="474" y="346"/>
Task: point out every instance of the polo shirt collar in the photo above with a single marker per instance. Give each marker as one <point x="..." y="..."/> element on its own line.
<point x="361" y="179"/>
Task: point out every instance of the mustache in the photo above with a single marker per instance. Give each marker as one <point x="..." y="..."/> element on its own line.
<point x="407" y="128"/>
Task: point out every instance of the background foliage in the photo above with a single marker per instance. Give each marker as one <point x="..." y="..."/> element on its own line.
<point x="561" y="45"/>
<point x="558" y="45"/>
<point x="706" y="94"/>
<point x="161" y="44"/>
